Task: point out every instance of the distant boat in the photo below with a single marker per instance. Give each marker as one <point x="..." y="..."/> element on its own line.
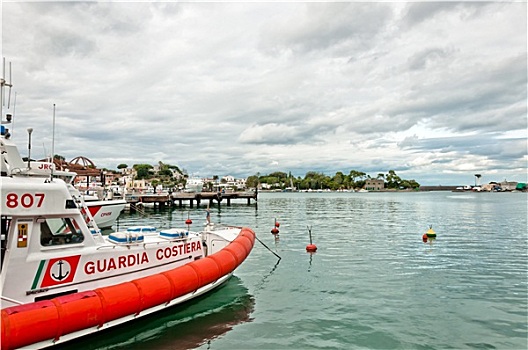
<point x="194" y="185"/>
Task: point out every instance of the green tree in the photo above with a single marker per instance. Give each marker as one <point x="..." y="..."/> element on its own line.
<point x="393" y="180"/>
<point x="412" y="184"/>
<point x="338" y="181"/>
<point x="164" y="170"/>
<point x="279" y="174"/>
<point x="142" y="170"/>
<point x="252" y="181"/>
<point x="175" y="167"/>
<point x="357" y="178"/>
<point x="315" y="180"/>
<point x="122" y="166"/>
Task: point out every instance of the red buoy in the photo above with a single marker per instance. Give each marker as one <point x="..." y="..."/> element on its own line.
<point x="275" y="229"/>
<point x="311" y="248"/>
<point x="188" y="221"/>
<point x="424" y="238"/>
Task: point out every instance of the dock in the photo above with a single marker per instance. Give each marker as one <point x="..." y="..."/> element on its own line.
<point x="193" y="198"/>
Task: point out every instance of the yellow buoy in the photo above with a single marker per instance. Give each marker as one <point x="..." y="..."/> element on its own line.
<point x="430" y="233"/>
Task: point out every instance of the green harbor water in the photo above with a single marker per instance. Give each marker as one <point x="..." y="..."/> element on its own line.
<point x="373" y="283"/>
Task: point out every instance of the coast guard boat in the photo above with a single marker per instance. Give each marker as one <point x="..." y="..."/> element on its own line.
<point x="62" y="279"/>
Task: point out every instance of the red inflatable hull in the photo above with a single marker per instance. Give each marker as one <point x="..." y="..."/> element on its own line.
<point x="50" y="319"/>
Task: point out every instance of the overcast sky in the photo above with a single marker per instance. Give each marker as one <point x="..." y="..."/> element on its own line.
<point x="436" y="91"/>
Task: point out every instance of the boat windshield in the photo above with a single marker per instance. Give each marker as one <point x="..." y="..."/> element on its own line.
<point x="58" y="231"/>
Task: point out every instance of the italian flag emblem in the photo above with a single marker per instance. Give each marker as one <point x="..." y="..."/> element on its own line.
<point x="56" y="271"/>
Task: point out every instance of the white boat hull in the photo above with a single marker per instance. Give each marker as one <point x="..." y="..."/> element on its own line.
<point x="106" y="212"/>
<point x="129" y="318"/>
<point x="121" y="285"/>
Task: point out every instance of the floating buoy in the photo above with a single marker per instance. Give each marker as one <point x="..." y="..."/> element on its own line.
<point x="310" y="248"/>
<point x="430" y="233"/>
<point x="424" y="238"/>
<point x="188" y="222"/>
<point x="275" y="229"/>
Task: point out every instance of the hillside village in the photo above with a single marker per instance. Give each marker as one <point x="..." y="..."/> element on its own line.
<point x="128" y="180"/>
<point x="146" y="178"/>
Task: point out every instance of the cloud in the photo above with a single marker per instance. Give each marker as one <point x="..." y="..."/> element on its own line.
<point x="323" y="26"/>
<point x="428" y="57"/>
<point x="419" y="12"/>
<point x="269" y="133"/>
<point x="428" y="89"/>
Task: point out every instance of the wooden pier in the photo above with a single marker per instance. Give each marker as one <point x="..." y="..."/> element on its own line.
<point x="179" y="198"/>
<point x="211" y="197"/>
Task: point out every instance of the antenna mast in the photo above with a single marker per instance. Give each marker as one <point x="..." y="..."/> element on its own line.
<point x="10" y="85"/>
<point x="13" y="117"/>
<point x="3" y="84"/>
<point x="53" y="143"/>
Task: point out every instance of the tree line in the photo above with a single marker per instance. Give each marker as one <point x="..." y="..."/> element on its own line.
<point x="277" y="180"/>
<point x="340" y="181"/>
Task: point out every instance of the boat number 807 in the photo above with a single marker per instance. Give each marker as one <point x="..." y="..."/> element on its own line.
<point x="26" y="200"/>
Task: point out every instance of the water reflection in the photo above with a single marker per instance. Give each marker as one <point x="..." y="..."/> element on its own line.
<point x="262" y="282"/>
<point x="310" y="264"/>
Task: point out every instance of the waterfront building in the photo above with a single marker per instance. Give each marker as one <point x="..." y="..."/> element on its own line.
<point x="374" y="184"/>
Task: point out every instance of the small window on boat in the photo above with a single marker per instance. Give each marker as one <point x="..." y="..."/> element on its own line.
<point x="59" y="231"/>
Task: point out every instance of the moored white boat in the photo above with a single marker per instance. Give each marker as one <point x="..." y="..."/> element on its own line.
<point x="194" y="185"/>
<point x="105" y="212"/>
<point x="62" y="279"/>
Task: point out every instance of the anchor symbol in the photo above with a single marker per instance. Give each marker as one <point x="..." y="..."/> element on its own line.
<point x="60" y="277"/>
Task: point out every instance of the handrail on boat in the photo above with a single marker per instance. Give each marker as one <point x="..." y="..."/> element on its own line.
<point x="144" y="244"/>
<point x="11" y="300"/>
